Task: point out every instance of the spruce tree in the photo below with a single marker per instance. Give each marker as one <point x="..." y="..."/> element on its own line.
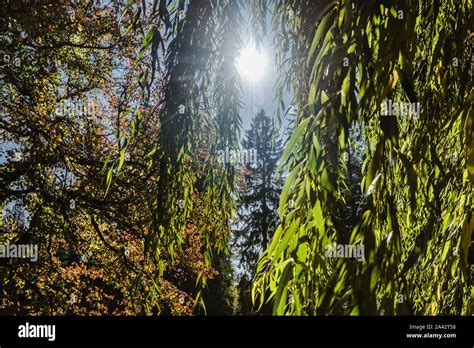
<point x="258" y="210"/>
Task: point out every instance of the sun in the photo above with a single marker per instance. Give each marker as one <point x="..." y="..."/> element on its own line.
<point x="251" y="63"/>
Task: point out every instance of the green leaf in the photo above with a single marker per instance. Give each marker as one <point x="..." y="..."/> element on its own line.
<point x="470" y="165"/>
<point x="466" y="238"/>
<point x="106" y="163"/>
<point x="275" y="240"/>
<point x="324" y="97"/>
<point x="291" y="143"/>
<point x="326" y="180"/>
<point x="320" y="30"/>
<point x="346" y="84"/>
<point x="288" y="235"/>
<point x="374" y="165"/>
<point x="318" y="214"/>
<point x="121" y="160"/>
<point x="412" y="179"/>
<point x="280" y="298"/>
<point x="446" y="249"/>
<point x="312" y="94"/>
<point x="146" y="43"/>
<point x="289" y="181"/>
<point x="109" y="180"/>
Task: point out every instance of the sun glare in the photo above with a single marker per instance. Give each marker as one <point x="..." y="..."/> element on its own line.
<point x="251" y="63"/>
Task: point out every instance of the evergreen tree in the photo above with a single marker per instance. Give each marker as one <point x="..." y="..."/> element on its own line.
<point x="258" y="211"/>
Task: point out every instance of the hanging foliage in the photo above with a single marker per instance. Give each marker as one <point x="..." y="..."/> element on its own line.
<point x="400" y="72"/>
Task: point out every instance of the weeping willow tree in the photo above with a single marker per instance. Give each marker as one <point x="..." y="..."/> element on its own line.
<point x="344" y="60"/>
<point x="193" y="44"/>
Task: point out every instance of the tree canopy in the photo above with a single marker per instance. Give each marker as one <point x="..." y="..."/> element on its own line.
<point x="114" y="115"/>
